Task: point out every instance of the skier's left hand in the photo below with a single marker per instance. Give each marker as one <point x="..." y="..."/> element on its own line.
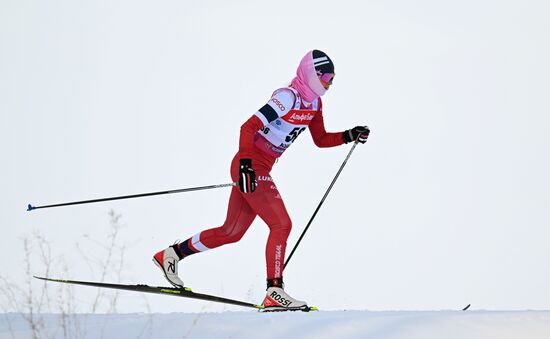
<point x="359" y="133"/>
<point x="247" y="176"/>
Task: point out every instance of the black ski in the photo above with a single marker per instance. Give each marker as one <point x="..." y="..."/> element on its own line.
<point x="287" y="309"/>
<point x="175" y="292"/>
<point x="172" y="291"/>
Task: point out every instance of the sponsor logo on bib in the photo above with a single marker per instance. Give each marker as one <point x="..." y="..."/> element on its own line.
<point x="299" y="117"/>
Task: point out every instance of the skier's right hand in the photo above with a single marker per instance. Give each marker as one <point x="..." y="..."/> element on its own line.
<point x="357" y="134"/>
<point x="247" y="176"/>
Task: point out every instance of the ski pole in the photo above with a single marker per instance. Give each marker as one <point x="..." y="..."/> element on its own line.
<point x="182" y="190"/>
<point x="321" y="203"/>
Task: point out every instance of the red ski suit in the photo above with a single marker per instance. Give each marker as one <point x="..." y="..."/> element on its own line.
<point x="256" y="143"/>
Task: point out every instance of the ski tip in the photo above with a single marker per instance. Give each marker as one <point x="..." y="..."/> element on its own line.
<point x="467" y="307"/>
<point x="313" y="309"/>
<point x="30" y="207"/>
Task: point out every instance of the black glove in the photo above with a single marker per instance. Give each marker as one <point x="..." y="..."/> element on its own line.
<point x="359" y="133"/>
<point x="247" y="176"/>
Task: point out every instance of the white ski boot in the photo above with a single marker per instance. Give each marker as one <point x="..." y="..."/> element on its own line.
<point x="167" y="260"/>
<point x="276" y="299"/>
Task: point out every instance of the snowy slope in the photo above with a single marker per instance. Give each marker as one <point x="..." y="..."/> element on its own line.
<point x="334" y="324"/>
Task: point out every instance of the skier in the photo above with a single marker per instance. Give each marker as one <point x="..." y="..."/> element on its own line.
<point x="263" y="138"/>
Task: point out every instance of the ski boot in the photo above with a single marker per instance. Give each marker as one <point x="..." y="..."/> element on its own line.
<point x="277" y="299"/>
<point x="167" y="260"/>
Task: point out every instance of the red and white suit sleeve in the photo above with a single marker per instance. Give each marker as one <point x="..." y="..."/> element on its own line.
<point x="320" y="136"/>
<point x="246" y="140"/>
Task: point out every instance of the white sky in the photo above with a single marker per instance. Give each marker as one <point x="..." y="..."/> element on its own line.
<point x="446" y="205"/>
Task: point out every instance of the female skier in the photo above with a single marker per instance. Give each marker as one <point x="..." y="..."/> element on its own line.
<point x="264" y="137"/>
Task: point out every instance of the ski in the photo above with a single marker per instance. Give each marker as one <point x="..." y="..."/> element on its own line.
<point x="287" y="309"/>
<point x="175" y="292"/>
<point x="171" y="291"/>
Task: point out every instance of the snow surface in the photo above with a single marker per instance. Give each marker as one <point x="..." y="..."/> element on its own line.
<point x="333" y="324"/>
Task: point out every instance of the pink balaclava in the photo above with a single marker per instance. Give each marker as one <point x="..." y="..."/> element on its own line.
<point x="307" y="81"/>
